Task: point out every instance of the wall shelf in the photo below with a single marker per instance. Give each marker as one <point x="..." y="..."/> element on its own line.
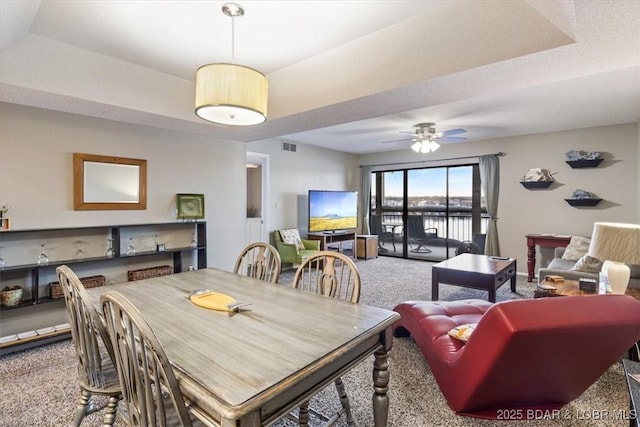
<point x="579" y="164"/>
<point x="583" y="202"/>
<point x="19" y="247"/>
<point x="536" y="184"/>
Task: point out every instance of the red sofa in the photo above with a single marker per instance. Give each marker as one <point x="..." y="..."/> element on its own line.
<point x="524" y="356"/>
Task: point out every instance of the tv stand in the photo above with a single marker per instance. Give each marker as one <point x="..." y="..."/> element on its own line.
<point x="335" y="239"/>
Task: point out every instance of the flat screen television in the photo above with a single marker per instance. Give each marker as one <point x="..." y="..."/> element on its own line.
<point x="331" y="211"/>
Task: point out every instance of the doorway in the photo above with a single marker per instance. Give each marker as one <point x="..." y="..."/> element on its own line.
<point x="256" y="226"/>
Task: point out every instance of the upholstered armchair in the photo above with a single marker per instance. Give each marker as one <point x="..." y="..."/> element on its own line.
<point x="292" y="248"/>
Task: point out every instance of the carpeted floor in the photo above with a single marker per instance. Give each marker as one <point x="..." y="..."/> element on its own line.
<point x="39" y="386"/>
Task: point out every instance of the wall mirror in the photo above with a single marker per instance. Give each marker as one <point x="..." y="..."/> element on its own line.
<point x="109" y="183"/>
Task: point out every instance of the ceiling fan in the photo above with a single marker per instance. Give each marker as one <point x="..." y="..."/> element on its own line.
<point x="425" y="137"/>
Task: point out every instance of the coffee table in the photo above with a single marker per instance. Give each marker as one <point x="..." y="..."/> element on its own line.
<point x="474" y="271"/>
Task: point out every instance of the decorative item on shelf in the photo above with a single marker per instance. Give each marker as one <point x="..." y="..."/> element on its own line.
<point x="190" y="206"/>
<point x="80" y="253"/>
<point x="583" y="159"/>
<point x="10" y="297"/>
<point x="193" y="243"/>
<point x="161" y="247"/>
<point x="617" y="244"/>
<point x="583" y="198"/>
<point x="55" y="291"/>
<point x="231" y="94"/>
<point x="537" y="178"/>
<point x="131" y="249"/>
<point x="111" y="253"/>
<point x="43" y="258"/>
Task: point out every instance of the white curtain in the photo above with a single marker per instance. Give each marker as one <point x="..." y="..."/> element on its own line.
<point x="490" y="182"/>
<point x="365" y="198"/>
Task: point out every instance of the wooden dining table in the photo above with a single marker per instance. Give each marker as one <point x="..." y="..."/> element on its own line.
<point x="252" y="367"/>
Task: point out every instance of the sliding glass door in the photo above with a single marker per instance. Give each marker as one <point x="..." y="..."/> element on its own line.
<point x="425" y="213"/>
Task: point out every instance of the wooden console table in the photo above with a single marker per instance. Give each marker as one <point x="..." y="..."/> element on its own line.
<point x="551" y="240"/>
<point x="338" y="239"/>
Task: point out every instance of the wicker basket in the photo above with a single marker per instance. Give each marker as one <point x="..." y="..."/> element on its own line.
<point x="55" y="290"/>
<point x="147" y="273"/>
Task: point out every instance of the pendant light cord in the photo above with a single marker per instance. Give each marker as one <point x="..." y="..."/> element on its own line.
<point x="233" y="39"/>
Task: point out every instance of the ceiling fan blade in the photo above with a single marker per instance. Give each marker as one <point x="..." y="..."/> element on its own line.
<point x="396" y="140"/>
<point x="453" y="132"/>
<point x="452" y="139"/>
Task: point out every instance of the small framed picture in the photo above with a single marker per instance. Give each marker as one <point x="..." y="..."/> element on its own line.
<point x="190" y="206"/>
<point x="160" y="247"/>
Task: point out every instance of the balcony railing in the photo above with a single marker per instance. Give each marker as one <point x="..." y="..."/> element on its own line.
<point x="459" y="221"/>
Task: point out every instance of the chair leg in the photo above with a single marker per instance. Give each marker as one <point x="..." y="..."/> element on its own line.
<point x="110" y="411"/>
<point x="303" y="414"/>
<point x="344" y="400"/>
<point x="83" y="408"/>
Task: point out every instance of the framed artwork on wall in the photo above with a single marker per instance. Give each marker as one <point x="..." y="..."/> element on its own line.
<point x="190" y="206"/>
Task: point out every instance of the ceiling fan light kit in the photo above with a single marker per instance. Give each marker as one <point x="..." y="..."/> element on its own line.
<point x="231" y="94"/>
<point x="425" y="146"/>
<point x="426" y="136"/>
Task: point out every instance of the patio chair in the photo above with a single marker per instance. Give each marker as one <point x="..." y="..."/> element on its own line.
<point x="382" y="233"/>
<point x="417" y="234"/>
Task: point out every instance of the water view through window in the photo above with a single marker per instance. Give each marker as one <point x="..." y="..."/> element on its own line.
<point x="426" y="213"/>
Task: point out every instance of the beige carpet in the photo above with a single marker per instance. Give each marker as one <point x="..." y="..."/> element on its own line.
<point x="39" y="386"/>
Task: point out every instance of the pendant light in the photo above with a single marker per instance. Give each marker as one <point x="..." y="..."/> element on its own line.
<point x="231" y="94"/>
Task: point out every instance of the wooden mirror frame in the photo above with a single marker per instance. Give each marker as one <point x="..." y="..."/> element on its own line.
<point x="79" y="160"/>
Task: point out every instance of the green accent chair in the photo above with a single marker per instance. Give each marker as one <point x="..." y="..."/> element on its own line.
<point x="294" y="250"/>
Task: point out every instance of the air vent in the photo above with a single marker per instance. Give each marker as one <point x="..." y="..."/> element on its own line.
<point x="288" y="146"/>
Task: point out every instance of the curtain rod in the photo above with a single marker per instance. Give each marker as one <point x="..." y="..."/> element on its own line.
<point x="499" y="153"/>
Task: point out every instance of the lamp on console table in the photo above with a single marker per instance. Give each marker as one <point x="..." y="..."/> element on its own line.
<point x="616" y="244"/>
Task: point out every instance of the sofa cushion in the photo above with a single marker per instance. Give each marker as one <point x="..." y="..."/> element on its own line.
<point x="561" y="264"/>
<point x="292" y="237"/>
<point x="588" y="264"/>
<point x="577" y="248"/>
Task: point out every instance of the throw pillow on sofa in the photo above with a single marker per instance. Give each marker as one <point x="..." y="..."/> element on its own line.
<point x="463" y="332"/>
<point x="588" y="264"/>
<point x="578" y="247"/>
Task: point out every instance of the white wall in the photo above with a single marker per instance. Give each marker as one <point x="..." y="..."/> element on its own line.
<point x="523" y="211"/>
<point x="36" y="174"/>
<point x="293" y="174"/>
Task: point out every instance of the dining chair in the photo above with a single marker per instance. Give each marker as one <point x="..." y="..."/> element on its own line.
<point x="96" y="370"/>
<point x="259" y="260"/>
<point x="150" y="390"/>
<point x="334" y="275"/>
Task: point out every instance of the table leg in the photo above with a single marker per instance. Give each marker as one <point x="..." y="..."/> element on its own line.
<point x="380" y="387"/>
<point x="435" y="281"/>
<point x="531" y="260"/>
<point x="492" y="293"/>
<point x="303" y="414"/>
<point x="515" y="276"/>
